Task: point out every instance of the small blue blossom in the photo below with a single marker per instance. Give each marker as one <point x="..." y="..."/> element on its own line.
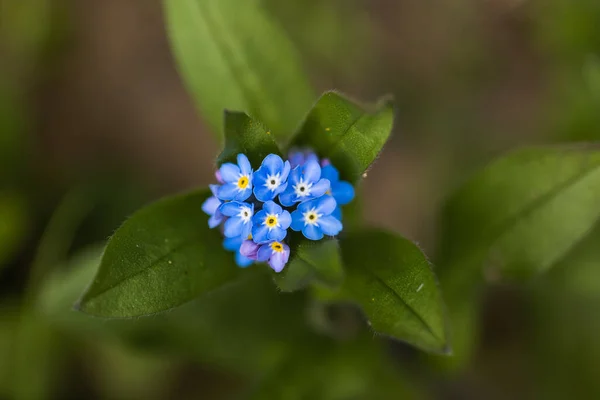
<point x="235" y="244"/>
<point x="271" y="178"/>
<point x="304" y="183"/>
<point x="239" y="222"/>
<point x="270" y="223"/>
<point x="314" y="218"/>
<point x="275" y="253"/>
<point x="211" y="207"/>
<point x="342" y="191"/>
<point x="237" y="178"/>
<point x="298" y="157"/>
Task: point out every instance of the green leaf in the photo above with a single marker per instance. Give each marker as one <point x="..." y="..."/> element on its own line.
<point x="392" y="281"/>
<point x="346" y="133"/>
<point x="310" y="262"/>
<point x="162" y="257"/>
<point x="248" y="136"/>
<point x="523" y="213"/>
<point x="232" y="56"/>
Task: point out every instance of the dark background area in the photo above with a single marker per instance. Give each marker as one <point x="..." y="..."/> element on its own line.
<point x="95" y="122"/>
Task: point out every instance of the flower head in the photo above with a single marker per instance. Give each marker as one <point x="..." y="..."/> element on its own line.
<point x="314" y="218"/>
<point x="342" y="191"/>
<point x="237" y="178"/>
<point x="211" y="207"/>
<point x="270" y="223"/>
<point x="271" y="178"/>
<point x="239" y="222"/>
<point x="304" y="183"/>
<point x="275" y="253"/>
<point x="234" y="244"/>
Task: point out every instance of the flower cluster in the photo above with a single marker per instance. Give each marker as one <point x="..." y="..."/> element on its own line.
<point x="256" y="208"/>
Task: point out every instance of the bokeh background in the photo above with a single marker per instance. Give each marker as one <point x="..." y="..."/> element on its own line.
<point x="95" y="122"/>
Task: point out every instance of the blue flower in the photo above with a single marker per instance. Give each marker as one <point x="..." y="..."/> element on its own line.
<point x="304" y="183"/>
<point x="270" y="223"/>
<point x="298" y="157"/>
<point x="271" y="178"/>
<point x="276" y="253"/>
<point x="342" y="191"/>
<point x="237" y="178"/>
<point x="234" y="244"/>
<point x="239" y="222"/>
<point x="314" y="218"/>
<point x="211" y="207"/>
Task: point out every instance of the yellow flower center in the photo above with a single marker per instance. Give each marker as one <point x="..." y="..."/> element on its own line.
<point x="271" y="221"/>
<point x="243" y="182"/>
<point x="276" y="246"/>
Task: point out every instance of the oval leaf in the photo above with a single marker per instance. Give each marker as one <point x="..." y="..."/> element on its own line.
<point x="392" y="281"/>
<point x="346" y="133"/>
<point x="162" y="257"/>
<point x="525" y="211"/>
<point x="232" y="56"/>
<point x="248" y="136"/>
<point x="312" y="262"/>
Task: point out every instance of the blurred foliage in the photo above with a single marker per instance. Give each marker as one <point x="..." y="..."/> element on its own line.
<point x="451" y="69"/>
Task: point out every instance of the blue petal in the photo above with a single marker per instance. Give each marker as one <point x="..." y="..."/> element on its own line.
<point x="307" y="205"/>
<point x="281" y="188"/>
<point x="286" y="171"/>
<point x="320" y="188"/>
<point x="312" y="232"/>
<point x="273" y="163"/>
<point x="232" y="244"/>
<point x="259" y="217"/>
<point x="331" y="173"/>
<point x="244" y="164"/>
<point x="278" y="260"/>
<point x="264" y="253"/>
<point x="233" y="227"/>
<point x="285" y="219"/>
<point x="214" y="189"/>
<point x="263" y="193"/>
<point x="297" y="221"/>
<point x="325" y="205"/>
<point x="330" y="225"/>
<point x="288" y="197"/>
<point x="229" y="172"/>
<point x="215" y="220"/>
<point x="296" y="158"/>
<point x="227" y="191"/>
<point x="244" y="194"/>
<point x="247" y="229"/>
<point x="232" y="208"/>
<point x="272" y="208"/>
<point x="210" y="205"/>
<point x="311" y="171"/>
<point x="260" y="233"/>
<point x="242" y="261"/>
<point x="277" y="234"/>
<point x="295" y="175"/>
<point x="342" y="192"/>
<point x="337" y="213"/>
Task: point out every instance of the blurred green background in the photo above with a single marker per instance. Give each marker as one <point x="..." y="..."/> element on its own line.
<point x="95" y="122"/>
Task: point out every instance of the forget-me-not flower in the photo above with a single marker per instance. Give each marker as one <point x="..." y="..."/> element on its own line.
<point x="239" y="222"/>
<point x="276" y="253"/>
<point x="237" y="178"/>
<point x="304" y="183"/>
<point x="234" y="244"/>
<point x="271" y="178"/>
<point x="211" y="207"/>
<point x="314" y="218"/>
<point x="342" y="191"/>
<point x="270" y="223"/>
